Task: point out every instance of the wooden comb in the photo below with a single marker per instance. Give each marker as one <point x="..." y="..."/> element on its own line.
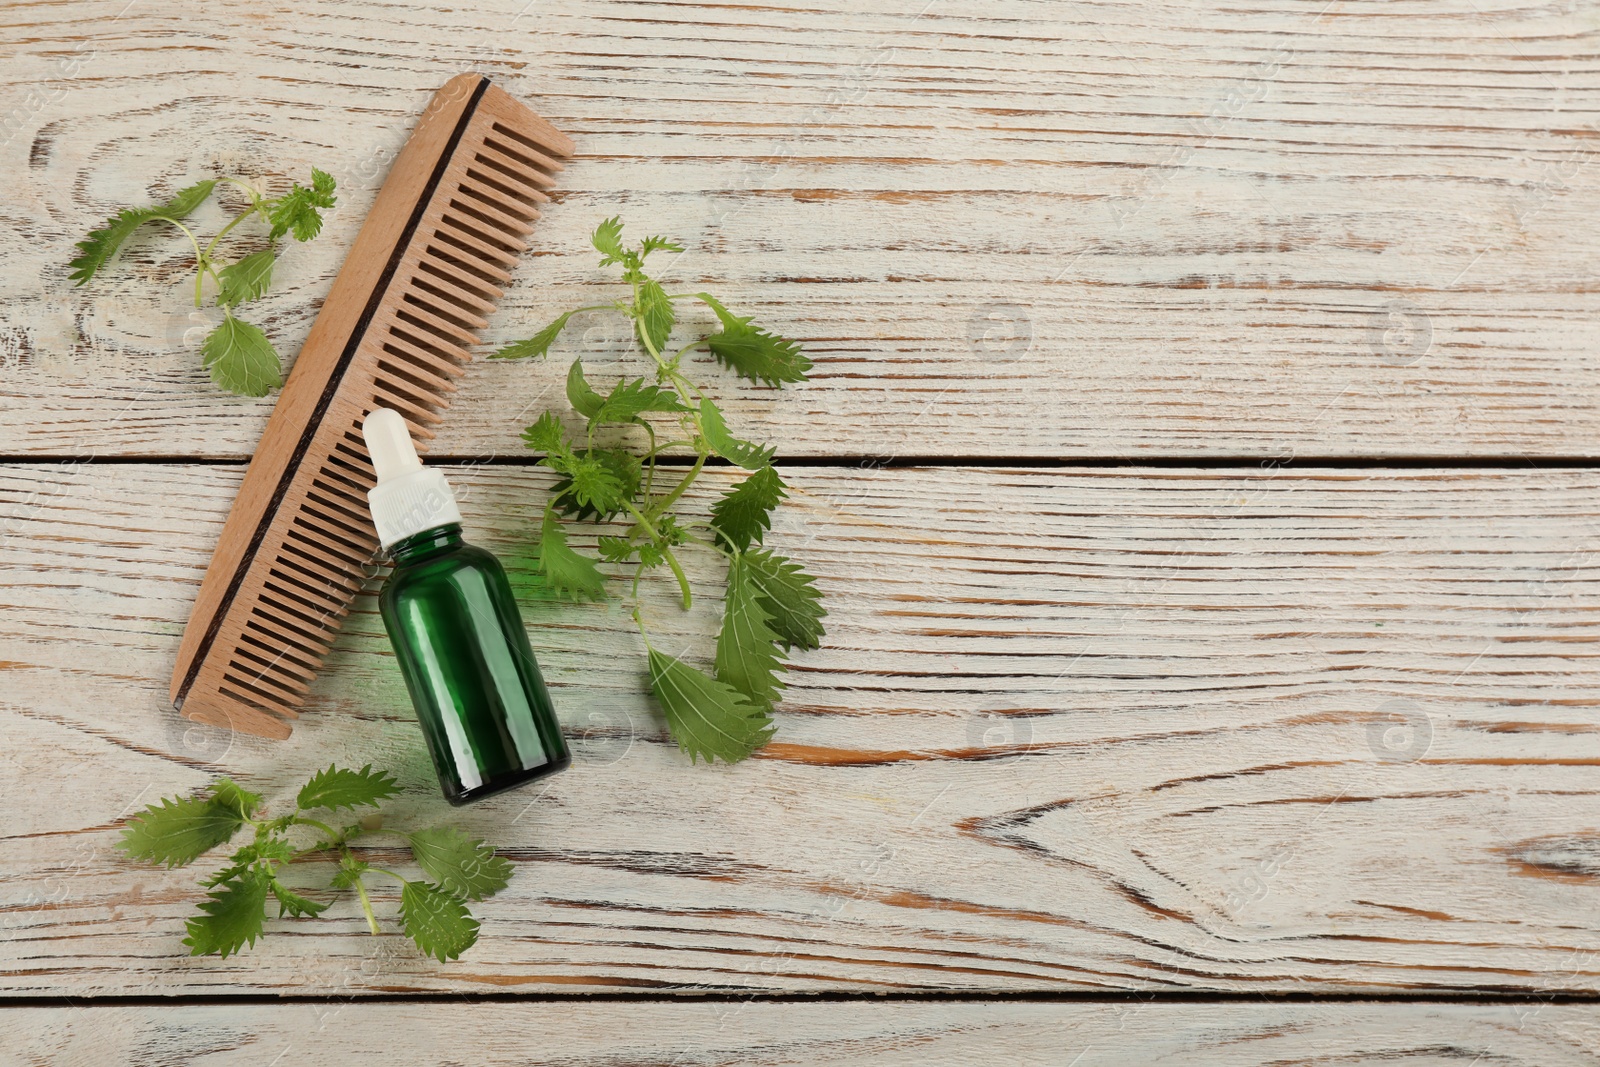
<point x="429" y="263"/>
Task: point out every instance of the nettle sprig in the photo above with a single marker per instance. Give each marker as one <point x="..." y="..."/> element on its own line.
<point x="434" y="914"/>
<point x="771" y="605"/>
<point x="238" y="355"/>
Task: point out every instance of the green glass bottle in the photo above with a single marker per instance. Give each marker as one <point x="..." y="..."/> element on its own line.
<point x="456" y="631"/>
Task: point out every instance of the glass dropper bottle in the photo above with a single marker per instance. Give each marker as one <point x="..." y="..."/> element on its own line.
<point x="456" y="631"/>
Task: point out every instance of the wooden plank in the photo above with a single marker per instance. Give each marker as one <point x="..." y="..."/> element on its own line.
<point x="957" y="1033"/>
<point x="1291" y="227"/>
<point x="1071" y="729"/>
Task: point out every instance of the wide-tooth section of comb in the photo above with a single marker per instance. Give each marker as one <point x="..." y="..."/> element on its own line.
<point x="424" y="274"/>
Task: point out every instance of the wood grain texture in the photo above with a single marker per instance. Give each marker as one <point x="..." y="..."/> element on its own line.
<point x="1291" y="227"/>
<point x="1070" y="730"/>
<point x="757" y="1034"/>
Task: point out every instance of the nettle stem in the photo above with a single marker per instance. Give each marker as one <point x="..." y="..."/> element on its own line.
<point x="366" y="903"/>
<point x="688" y="479"/>
<point x="666" y="551"/>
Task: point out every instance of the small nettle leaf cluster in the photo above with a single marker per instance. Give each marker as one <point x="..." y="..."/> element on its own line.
<point x="433" y="909"/>
<point x="771" y="605"/>
<point x="238" y="354"/>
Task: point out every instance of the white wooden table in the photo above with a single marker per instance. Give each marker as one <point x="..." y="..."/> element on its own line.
<point x="1201" y="467"/>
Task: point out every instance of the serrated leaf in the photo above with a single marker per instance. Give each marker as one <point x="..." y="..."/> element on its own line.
<point x="744" y="513"/>
<point x="242" y="802"/>
<point x="340" y="787"/>
<point x="607" y="240"/>
<point x="537" y="345"/>
<point x="226" y="874"/>
<point x="749" y="456"/>
<point x="593" y="485"/>
<point x="292" y="903"/>
<point x="96" y="250"/>
<point x="672" y="532"/>
<point x="267" y="848"/>
<point x="233" y="917"/>
<point x="616" y="549"/>
<point x="241" y="359"/>
<point x="747" y="653"/>
<point x="178" y="829"/>
<point x="350" y="870"/>
<point x="655" y="316"/>
<point x="298" y="209"/>
<point x="628" y="400"/>
<point x="564" y="570"/>
<point x="658" y="244"/>
<point x="584" y="400"/>
<point x="708" y="718"/>
<point x="460" y="864"/>
<point x="546" y="434"/>
<point x="437" y="921"/>
<point x="247" y="279"/>
<point x="793" y="604"/>
<point x="622" y="464"/>
<point x="752" y="352"/>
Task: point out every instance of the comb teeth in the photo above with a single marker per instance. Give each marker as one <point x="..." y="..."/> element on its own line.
<point x="426" y="271"/>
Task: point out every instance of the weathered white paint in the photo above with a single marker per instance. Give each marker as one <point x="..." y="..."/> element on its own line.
<point x="1127" y="1033"/>
<point x="1071" y="730"/>
<point x="1001" y="227"/>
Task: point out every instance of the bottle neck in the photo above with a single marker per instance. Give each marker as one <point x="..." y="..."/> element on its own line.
<point x="426" y="543"/>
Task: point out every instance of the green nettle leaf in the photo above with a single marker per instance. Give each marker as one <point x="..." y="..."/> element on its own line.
<point x="749" y="456"/>
<point x="537" y="345"/>
<point x="624" y="466"/>
<point x="241" y="359"/>
<point x="233" y="916"/>
<point x="628" y="400"/>
<point x="672" y="532"/>
<point x="546" y="434"/>
<point x="460" y="864"/>
<point x="709" y="718"/>
<point x="437" y="921"/>
<point x="247" y="279"/>
<point x="298" y="210"/>
<point x="655" y="316"/>
<point x="793" y="604"/>
<point x="96" y="250"/>
<point x="564" y="570"/>
<point x="292" y="903"/>
<point x="322" y="184"/>
<point x="747" y="654"/>
<point x="616" y="549"/>
<point x="771" y="605"/>
<point x="584" y="400"/>
<point x="349" y="872"/>
<point x="594" y="485"/>
<point x="752" y="352"/>
<point x="176" y="831"/>
<point x="340" y="787"/>
<point x="744" y="513"/>
<point x="269" y="848"/>
<point x="242" y="802"/>
<point x="658" y="244"/>
<point x="607" y="240"/>
<point x="226" y="874"/>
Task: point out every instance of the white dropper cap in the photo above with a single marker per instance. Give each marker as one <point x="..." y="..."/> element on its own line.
<point x="409" y="498"/>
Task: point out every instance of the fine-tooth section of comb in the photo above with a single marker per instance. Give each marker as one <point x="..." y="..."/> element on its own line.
<point x="427" y="269"/>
